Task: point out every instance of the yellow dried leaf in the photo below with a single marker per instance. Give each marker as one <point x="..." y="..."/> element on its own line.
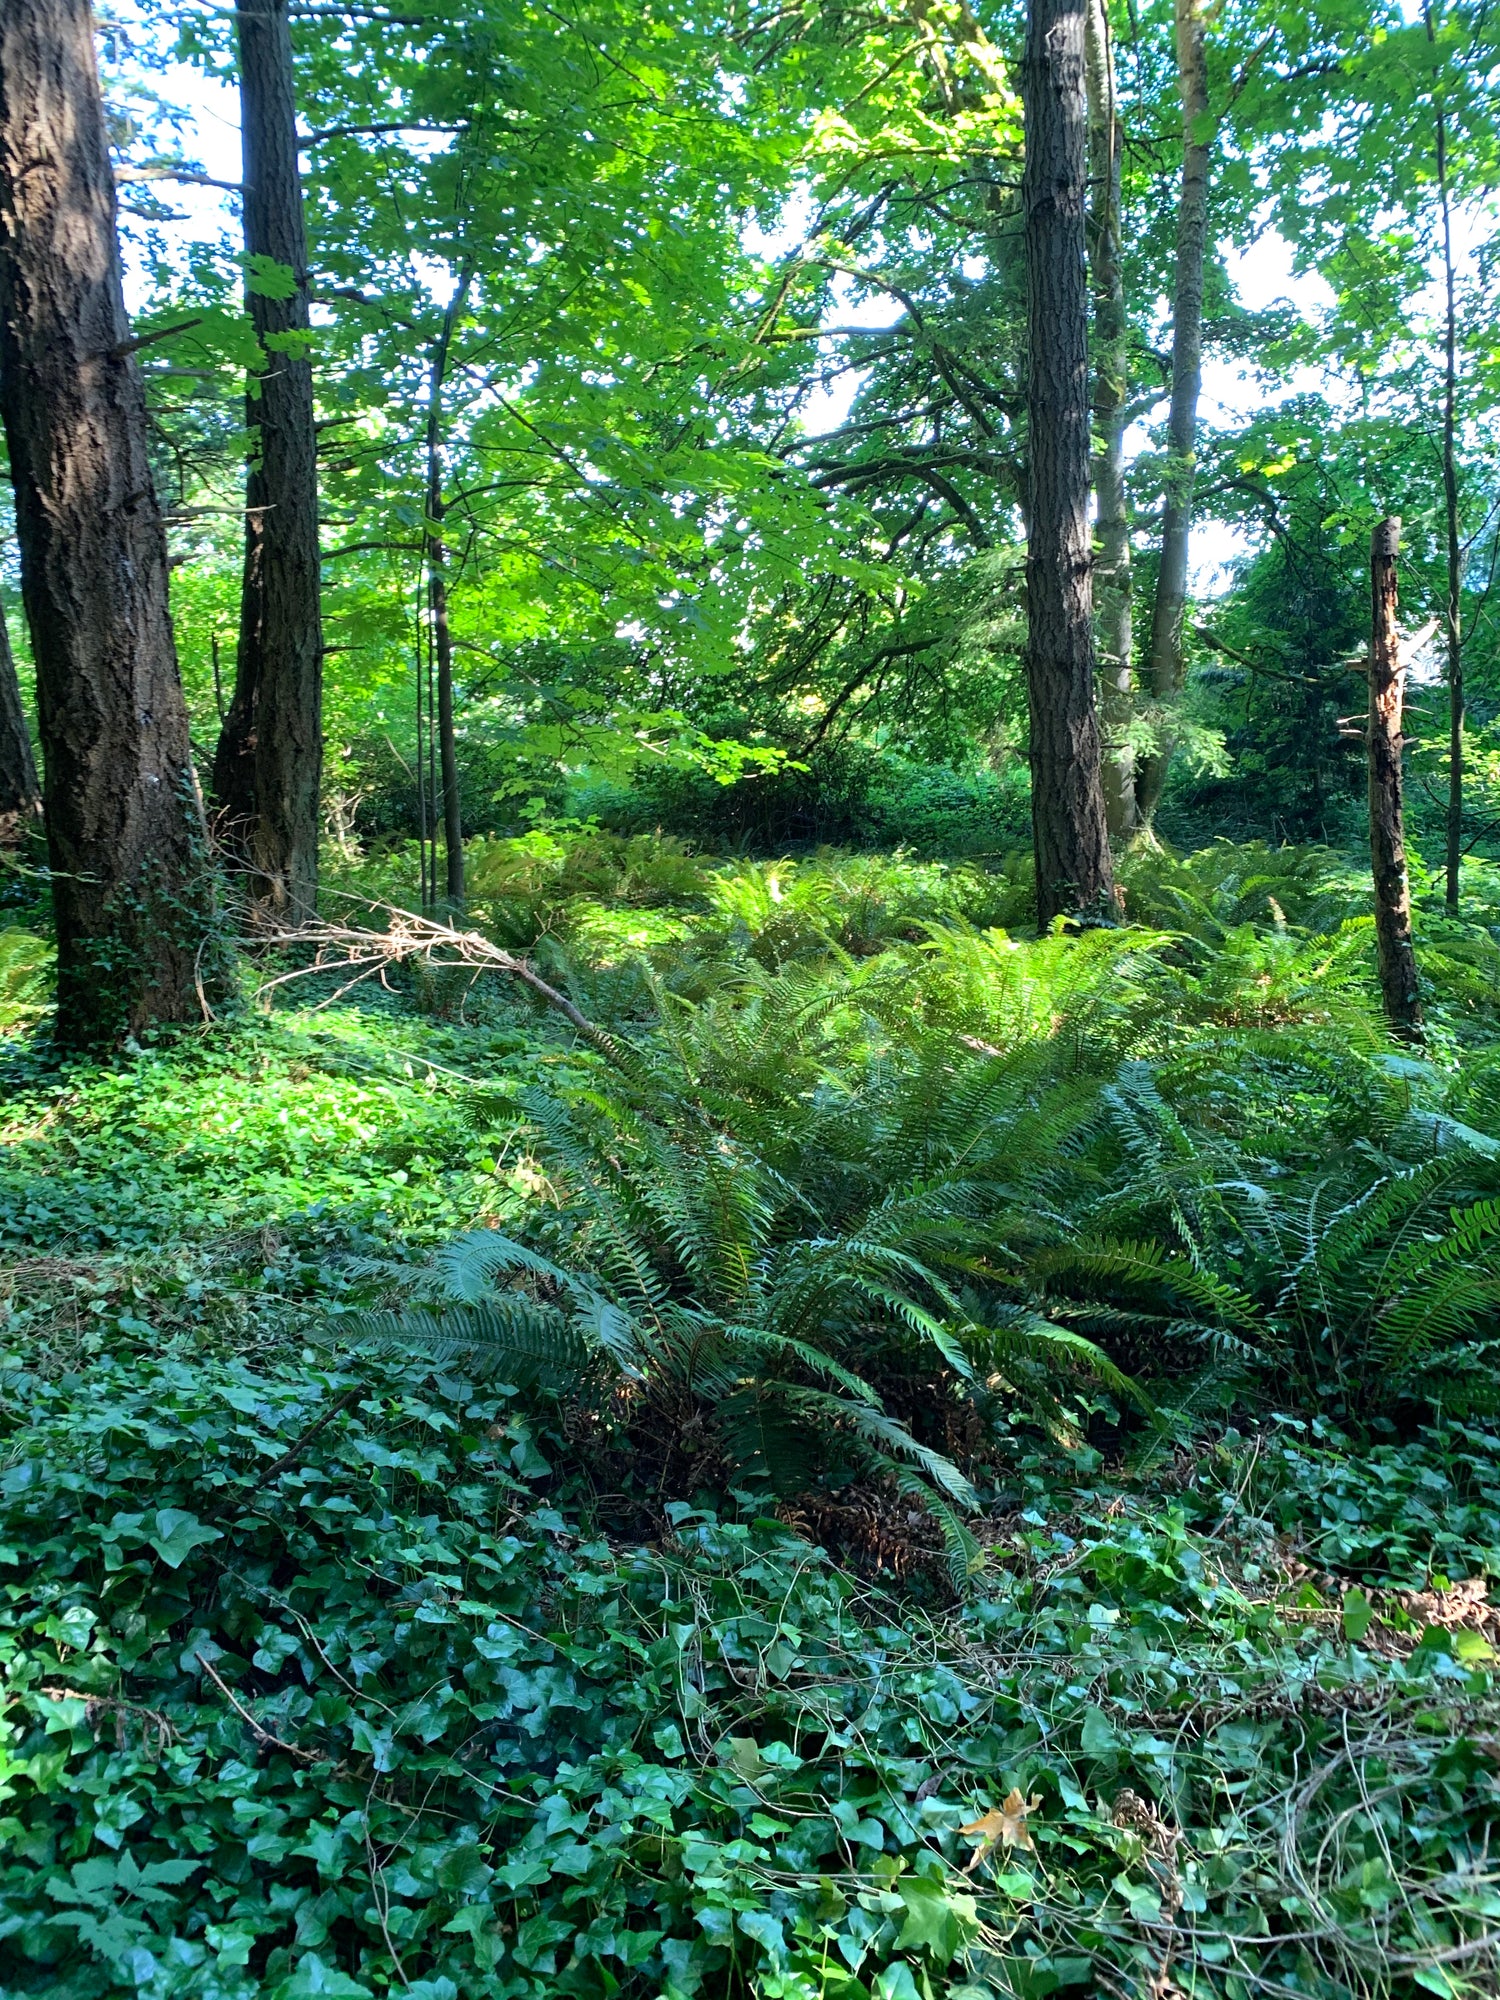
<point x="1003" y="1825"/>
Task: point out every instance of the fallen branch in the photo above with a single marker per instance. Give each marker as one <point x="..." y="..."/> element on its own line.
<point x="366" y="953"/>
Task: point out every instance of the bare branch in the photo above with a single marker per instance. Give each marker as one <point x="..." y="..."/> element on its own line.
<point x="364" y="953"/>
<point x="141" y="340"/>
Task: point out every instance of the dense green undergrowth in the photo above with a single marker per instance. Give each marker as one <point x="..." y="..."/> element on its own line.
<point x="488" y="1512"/>
<point x="392" y="1717"/>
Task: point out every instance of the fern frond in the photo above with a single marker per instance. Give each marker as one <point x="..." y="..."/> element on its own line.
<point x="1146" y="1266"/>
<point x="816" y="1360"/>
<point x="466" y="1266"/>
<point x="965" y="1556"/>
<point x="536" y="1344"/>
<point x="1026" y="1335"/>
<point x="870" y="1422"/>
<point x="920" y="1321"/>
<point x="1442" y="1291"/>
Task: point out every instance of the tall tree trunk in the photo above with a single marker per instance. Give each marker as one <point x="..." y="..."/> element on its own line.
<point x="1452" y="607"/>
<point x="270" y="754"/>
<point x="437" y="584"/>
<point x="131" y="881"/>
<point x="442" y="641"/>
<point x="1170" y="604"/>
<point x="1112" y="579"/>
<point x="1069" y="832"/>
<point x="20" y="794"/>
<point x="1393" y="941"/>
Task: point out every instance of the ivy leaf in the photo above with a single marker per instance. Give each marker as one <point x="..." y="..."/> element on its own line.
<point x="745" y="1757"/>
<point x="1359" y="1615"/>
<point x="464" y="1870"/>
<point x="313" y="1980"/>
<point x="1145" y="1903"/>
<point x="1100" y="1737"/>
<point x="936" y="1922"/>
<point x="178" y="1534"/>
<point x="896" y="1983"/>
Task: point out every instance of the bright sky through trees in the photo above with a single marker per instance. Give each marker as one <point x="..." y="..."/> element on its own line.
<point x="1262" y="274"/>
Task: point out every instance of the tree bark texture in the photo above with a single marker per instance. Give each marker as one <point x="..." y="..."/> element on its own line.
<point x="1167" y="611"/>
<point x="131" y="880"/>
<point x="1067" y="800"/>
<point x="1113" y="629"/>
<point x="1393" y="941"/>
<point x="20" y="793"/>
<point x="270" y="755"/>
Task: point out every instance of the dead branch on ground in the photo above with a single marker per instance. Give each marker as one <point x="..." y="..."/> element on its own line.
<point x="368" y="954"/>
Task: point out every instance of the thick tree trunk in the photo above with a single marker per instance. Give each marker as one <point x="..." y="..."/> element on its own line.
<point x="1170" y="604"/>
<point x="1393" y="941"/>
<point x="131" y="882"/>
<point x="1067" y="800"/>
<point x="1114" y="634"/>
<point x="270" y="755"/>
<point x="20" y="793"/>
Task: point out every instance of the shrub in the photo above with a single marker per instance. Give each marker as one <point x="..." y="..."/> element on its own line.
<point x="25" y="979"/>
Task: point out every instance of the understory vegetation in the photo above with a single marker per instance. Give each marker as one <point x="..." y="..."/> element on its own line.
<point x="911" y="1462"/>
<point x="749" y="1000"/>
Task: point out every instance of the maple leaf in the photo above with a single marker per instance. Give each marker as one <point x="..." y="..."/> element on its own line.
<point x="1004" y="1825"/>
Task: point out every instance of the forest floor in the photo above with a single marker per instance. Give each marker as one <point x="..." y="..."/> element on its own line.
<point x="333" y="1668"/>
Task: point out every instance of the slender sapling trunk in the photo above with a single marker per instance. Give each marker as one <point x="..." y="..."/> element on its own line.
<point x="437" y="584"/>
<point x="1393" y="940"/>
<point x="1452" y="607"/>
<point x="20" y="793"/>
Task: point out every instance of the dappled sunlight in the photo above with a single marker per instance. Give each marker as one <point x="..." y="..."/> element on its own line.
<point x="756" y="1253"/>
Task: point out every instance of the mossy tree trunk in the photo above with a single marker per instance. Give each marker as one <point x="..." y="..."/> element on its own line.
<point x="269" y="761"/>
<point x="131" y="880"/>
<point x="1395" y="953"/>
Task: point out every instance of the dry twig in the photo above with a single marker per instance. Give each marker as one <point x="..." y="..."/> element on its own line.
<point x="265" y="1739"/>
<point x="367" y="953"/>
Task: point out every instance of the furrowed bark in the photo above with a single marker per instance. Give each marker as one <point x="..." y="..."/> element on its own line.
<point x="131" y="882"/>
<point x="1073" y="875"/>
<point x="1395" y="954"/>
<point x="20" y="792"/>
<point x="1114" y="635"/>
<point x="270" y="755"/>
<point x="1165" y="660"/>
